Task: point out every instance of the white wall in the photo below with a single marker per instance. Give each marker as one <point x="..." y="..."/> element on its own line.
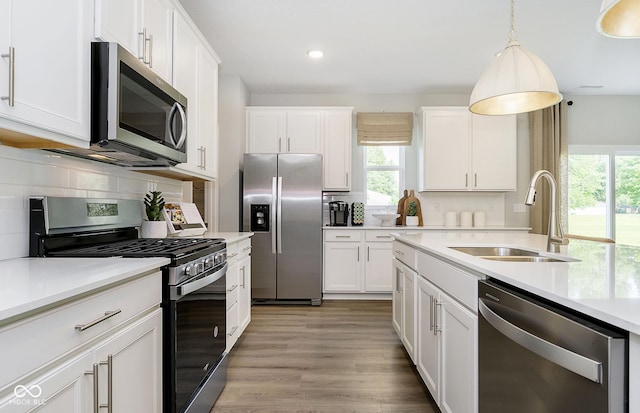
<point x="25" y="173"/>
<point x="604" y="120"/>
<point x="498" y="206"/>
<point x="233" y="98"/>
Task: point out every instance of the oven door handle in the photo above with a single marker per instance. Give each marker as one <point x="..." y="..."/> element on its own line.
<point x="577" y="363"/>
<point x="201" y="282"/>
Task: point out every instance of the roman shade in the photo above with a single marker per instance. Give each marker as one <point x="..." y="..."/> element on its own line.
<point x="385" y="128"/>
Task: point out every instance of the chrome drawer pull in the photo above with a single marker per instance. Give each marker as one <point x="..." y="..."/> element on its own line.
<point x="12" y="72"/>
<point x="343" y="236"/>
<point x="233" y="288"/>
<point x="233" y="331"/>
<point x="107" y="315"/>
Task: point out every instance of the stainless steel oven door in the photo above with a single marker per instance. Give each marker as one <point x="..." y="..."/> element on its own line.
<point x="198" y="319"/>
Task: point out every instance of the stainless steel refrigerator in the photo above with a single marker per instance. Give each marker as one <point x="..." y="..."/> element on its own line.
<point x="282" y="205"/>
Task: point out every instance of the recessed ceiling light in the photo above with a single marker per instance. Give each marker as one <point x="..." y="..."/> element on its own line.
<point x="315" y="54"/>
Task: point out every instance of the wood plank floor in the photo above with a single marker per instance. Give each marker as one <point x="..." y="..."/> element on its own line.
<point x="343" y="356"/>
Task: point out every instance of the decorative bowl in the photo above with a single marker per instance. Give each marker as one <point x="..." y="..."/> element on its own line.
<point x="386" y="219"/>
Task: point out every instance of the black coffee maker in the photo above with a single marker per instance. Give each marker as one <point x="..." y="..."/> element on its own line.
<point x="338" y="213"/>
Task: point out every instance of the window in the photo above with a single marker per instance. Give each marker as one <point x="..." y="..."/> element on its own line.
<point x="604" y="193"/>
<point x="383" y="174"/>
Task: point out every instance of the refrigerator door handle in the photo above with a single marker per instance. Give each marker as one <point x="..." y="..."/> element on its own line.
<point x="273" y="216"/>
<point x="279" y="218"/>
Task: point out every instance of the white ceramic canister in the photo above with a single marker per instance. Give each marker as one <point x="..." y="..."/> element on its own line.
<point x="466" y="219"/>
<point x="479" y="219"/>
<point x="450" y="219"/>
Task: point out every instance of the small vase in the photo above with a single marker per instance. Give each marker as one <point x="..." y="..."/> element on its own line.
<point x="412" y="221"/>
<point x="153" y="229"/>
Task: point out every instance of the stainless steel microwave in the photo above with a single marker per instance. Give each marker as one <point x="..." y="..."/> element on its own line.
<point x="137" y="118"/>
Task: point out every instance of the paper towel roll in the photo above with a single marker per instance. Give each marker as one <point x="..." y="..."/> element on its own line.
<point x="465" y="219"/>
<point x="479" y="219"/>
<point x="450" y="218"/>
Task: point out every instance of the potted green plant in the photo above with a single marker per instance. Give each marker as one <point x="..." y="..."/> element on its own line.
<point x="155" y="225"/>
<point x="412" y="214"/>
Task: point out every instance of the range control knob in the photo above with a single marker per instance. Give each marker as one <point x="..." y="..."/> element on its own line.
<point x="191" y="270"/>
<point x="209" y="262"/>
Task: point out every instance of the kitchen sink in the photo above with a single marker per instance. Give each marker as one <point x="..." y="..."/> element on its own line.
<point x="508" y="254"/>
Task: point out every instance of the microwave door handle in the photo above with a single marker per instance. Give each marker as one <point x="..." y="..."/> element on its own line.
<point x="183" y="133"/>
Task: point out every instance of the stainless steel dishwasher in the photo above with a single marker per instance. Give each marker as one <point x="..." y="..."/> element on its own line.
<point x="534" y="357"/>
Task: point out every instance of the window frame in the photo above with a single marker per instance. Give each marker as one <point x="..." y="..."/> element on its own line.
<point x="400" y="168"/>
<point x="610" y="151"/>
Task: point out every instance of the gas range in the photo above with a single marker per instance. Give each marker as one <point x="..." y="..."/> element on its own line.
<point x="193" y="291"/>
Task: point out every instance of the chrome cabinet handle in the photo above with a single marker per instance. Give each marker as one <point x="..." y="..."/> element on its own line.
<point x="204" y="157"/>
<point x="383" y="236"/>
<point x="149" y="40"/>
<point x="109" y="364"/>
<point x="343" y="236"/>
<point x="247" y="248"/>
<point x="587" y="368"/>
<point x="243" y="275"/>
<point x="233" y="288"/>
<point x="94" y="373"/>
<point x="466" y="180"/>
<point x="399" y="252"/>
<point x="358" y="254"/>
<point x="107" y="315"/>
<point x="346" y="181"/>
<point x="279" y="144"/>
<point x="233" y="331"/>
<point x="232" y="255"/>
<point x="12" y="72"/>
<point x="430" y="313"/>
<point x="475" y="180"/>
<point x="368" y="254"/>
<point x="288" y="144"/>
<point x="397" y="280"/>
<point x="436" y="304"/>
<point x="142" y="42"/>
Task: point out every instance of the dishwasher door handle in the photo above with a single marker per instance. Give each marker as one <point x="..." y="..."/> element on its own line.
<point x="585" y="367"/>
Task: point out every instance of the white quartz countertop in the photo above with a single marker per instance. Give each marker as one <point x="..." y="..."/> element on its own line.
<point x="35" y="284"/>
<point x="603" y="283"/>
<point x="229" y="237"/>
<point x="427" y="228"/>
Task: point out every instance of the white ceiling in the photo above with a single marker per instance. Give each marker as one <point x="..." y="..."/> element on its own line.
<point x="409" y="46"/>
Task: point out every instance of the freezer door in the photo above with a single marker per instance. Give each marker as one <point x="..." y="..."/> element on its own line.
<point x="300" y="237"/>
<point x="260" y="173"/>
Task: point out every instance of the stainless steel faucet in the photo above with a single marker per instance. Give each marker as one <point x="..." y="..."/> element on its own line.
<point x="555" y="239"/>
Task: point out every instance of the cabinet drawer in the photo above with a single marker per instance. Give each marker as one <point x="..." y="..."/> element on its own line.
<point x="378" y="236"/>
<point x="343" y="236"/>
<point x="461" y="285"/>
<point x="30" y="344"/>
<point x="233" y="253"/>
<point x="405" y="253"/>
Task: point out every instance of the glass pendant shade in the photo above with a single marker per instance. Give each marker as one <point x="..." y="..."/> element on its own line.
<point x="620" y="19"/>
<point x="517" y="81"/>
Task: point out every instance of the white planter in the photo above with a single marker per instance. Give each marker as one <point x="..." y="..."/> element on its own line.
<point x="153" y="229"/>
<point x="412" y="221"/>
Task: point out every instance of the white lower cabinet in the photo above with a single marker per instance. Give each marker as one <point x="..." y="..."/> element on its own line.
<point x="358" y="261"/>
<point x="238" y="290"/>
<point x="119" y="363"/>
<point x="445" y="348"/>
<point x="404" y="302"/>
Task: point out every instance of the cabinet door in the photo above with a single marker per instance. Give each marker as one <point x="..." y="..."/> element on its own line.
<point x="397" y="304"/>
<point x="51" y="84"/>
<point x="67" y="389"/>
<point x="265" y="131"/>
<point x="185" y="72"/>
<point x="158" y="24"/>
<point x="408" y="312"/>
<point x="458" y="383"/>
<point x="428" y="360"/>
<point x="244" y="297"/>
<point x="208" y="113"/>
<point x="303" y="132"/>
<point x="337" y="150"/>
<point x="136" y="353"/>
<point x="120" y="21"/>
<point x="494" y="153"/>
<point x="342" y="267"/>
<point x="378" y="267"/>
<point x="446" y="149"/>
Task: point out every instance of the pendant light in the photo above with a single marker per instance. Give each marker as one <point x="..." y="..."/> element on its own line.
<point x="620" y="19"/>
<point x="517" y="81"/>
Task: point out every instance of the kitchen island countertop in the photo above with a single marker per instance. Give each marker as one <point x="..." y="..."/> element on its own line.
<point x="603" y="281"/>
<point x="31" y="285"/>
<point x="426" y="228"/>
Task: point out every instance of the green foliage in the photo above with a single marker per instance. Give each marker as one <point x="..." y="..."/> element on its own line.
<point x="153" y="204"/>
<point x="628" y="180"/>
<point x="587" y="180"/>
<point x="381" y="183"/>
<point x="413" y="209"/>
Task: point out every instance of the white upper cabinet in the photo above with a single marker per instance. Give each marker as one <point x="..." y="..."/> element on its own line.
<point x="466" y="152"/>
<point x="45" y="69"/>
<point x="283" y="130"/>
<point x="144" y="27"/>
<point x="337" y="149"/>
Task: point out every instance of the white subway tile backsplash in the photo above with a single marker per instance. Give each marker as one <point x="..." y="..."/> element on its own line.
<point x="26" y="173"/>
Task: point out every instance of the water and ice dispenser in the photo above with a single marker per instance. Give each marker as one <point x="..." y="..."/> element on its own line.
<point x="260" y="217"/>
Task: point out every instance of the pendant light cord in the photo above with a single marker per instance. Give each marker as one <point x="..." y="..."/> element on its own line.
<point x="513" y="34"/>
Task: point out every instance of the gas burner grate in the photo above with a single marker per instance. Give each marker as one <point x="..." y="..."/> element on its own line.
<point x="149" y="247"/>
